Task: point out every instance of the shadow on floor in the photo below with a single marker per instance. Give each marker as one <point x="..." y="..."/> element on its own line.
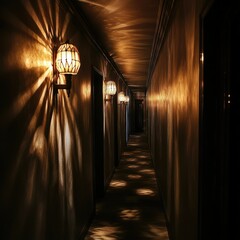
<point x="131" y="208"/>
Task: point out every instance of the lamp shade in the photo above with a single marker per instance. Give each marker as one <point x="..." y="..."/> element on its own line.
<point x="126" y="99"/>
<point x="67" y="59"/>
<point x="121" y="97"/>
<point x="111" y="88"/>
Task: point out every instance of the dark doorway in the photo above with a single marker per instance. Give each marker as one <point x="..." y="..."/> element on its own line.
<point x="116" y="153"/>
<point x="219" y="151"/>
<point x="234" y="141"/>
<point x="98" y="153"/>
<point x="139" y="114"/>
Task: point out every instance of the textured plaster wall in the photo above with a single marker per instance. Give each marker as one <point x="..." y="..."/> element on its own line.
<point x="46" y="141"/>
<point x="173" y="120"/>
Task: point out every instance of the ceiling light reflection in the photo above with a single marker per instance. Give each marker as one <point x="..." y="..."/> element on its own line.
<point x="93" y="3"/>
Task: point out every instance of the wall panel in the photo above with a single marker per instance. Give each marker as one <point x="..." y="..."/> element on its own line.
<point x="173" y="117"/>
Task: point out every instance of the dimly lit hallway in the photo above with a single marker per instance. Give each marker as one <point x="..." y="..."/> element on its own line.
<point x="78" y="77"/>
<point x="131" y="208"/>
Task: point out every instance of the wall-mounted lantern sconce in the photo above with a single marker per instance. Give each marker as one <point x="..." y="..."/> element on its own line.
<point x="121" y="97"/>
<point x="126" y="101"/>
<point x="67" y="62"/>
<point x="110" y="90"/>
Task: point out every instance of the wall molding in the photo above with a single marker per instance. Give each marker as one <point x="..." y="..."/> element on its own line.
<point x="165" y="13"/>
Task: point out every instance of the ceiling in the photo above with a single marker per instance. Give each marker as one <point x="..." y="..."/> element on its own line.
<point x="126" y="30"/>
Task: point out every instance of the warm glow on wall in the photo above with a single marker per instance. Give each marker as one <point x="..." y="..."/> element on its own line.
<point x="86" y="91"/>
<point x="202" y="57"/>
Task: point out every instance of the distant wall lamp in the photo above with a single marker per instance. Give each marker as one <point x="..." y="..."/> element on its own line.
<point x="126" y="99"/>
<point x="110" y="90"/>
<point x="67" y="62"/>
<point x="121" y="97"/>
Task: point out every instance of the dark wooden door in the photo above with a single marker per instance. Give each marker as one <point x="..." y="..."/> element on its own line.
<point x="219" y="123"/>
<point x="98" y="152"/>
<point x="139" y="114"/>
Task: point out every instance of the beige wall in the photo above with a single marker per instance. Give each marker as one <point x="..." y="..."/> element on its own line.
<point x="46" y="144"/>
<point x="173" y="120"/>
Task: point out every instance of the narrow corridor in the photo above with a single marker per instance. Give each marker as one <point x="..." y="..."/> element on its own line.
<point x="131" y="208"/>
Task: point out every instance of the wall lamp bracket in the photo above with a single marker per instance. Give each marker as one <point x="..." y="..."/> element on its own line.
<point x="67" y="85"/>
<point x="108" y="98"/>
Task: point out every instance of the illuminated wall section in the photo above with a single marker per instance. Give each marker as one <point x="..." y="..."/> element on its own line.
<point x="45" y="140"/>
<point x="173" y="120"/>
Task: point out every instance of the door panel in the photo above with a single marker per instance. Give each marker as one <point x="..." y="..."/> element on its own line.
<point x="98" y="152"/>
<point x="219" y="108"/>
